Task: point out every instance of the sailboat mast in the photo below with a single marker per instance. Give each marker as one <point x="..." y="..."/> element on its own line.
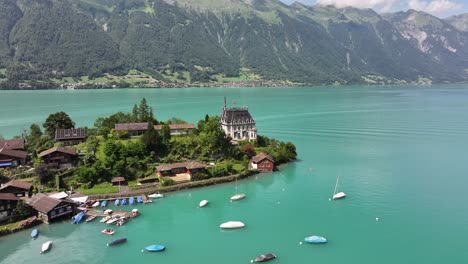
<point x="336" y="185"/>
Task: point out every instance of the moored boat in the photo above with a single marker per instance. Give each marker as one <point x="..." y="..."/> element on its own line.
<point x="108" y="211"/>
<point x="117" y="241"/>
<point x="104" y="203"/>
<point x="134" y="212"/>
<point x="265" y="257"/>
<point x="155" y="248"/>
<point x="232" y="224"/>
<point x="105" y="219"/>
<point x="117" y="202"/>
<point x="203" y="203"/>
<point x="315" y="240"/>
<point x="156" y="195"/>
<point x="34" y="233"/>
<point x="108" y="232"/>
<point x="124" y="201"/>
<point x="96" y="204"/>
<point x="131" y="200"/>
<point x="46" y="246"/>
<point x="237" y="197"/>
<point x="139" y="199"/>
<point x="121" y="221"/>
<point x="90" y="218"/>
<point x="113" y="219"/>
<point x="78" y="217"/>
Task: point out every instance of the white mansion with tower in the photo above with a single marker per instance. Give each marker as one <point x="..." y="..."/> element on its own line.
<point x="238" y="123"/>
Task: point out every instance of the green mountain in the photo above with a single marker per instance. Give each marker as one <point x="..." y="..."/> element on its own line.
<point x="214" y="40"/>
<point x="460" y="22"/>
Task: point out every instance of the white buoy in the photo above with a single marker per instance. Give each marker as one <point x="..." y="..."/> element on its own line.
<point x="376" y="219"/>
<point x="142" y="250"/>
<point x="278" y="202"/>
<point x="251" y="261"/>
<point x="300" y="243"/>
<point x="329" y="199"/>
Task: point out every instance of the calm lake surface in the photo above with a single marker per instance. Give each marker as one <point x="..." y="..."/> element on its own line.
<point x="400" y="152"/>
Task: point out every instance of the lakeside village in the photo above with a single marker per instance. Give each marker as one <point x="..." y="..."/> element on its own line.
<point x="65" y="172"/>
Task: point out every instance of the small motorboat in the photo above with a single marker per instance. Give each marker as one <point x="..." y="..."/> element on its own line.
<point x="105" y="219"/>
<point x="131" y="200"/>
<point x="203" y="203"/>
<point x="96" y="204"/>
<point x="108" y="211"/>
<point x="104" y="203"/>
<point x="134" y="212"/>
<point x="155" y="248"/>
<point x="232" y="224"/>
<point x="265" y="257"/>
<point x="237" y="197"/>
<point x="108" y="231"/>
<point x="339" y="195"/>
<point x="121" y="221"/>
<point x="315" y="240"/>
<point x="139" y="199"/>
<point x="117" y="202"/>
<point x="78" y="217"/>
<point x="90" y="218"/>
<point x="113" y="219"/>
<point x="34" y="233"/>
<point x="124" y="201"/>
<point x="156" y="195"/>
<point x="46" y="246"/>
<point x="117" y="241"/>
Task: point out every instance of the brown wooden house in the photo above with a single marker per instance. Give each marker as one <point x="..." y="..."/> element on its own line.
<point x="8" y="202"/>
<point x="118" y="181"/>
<point x="177" y="129"/>
<point x="14" y="144"/>
<point x="133" y="129"/>
<point x="70" y="137"/>
<point x="190" y="167"/>
<point x="17" y="188"/>
<point x="49" y="209"/>
<point x="262" y="162"/>
<point x="59" y="157"/>
<point x="12" y="158"/>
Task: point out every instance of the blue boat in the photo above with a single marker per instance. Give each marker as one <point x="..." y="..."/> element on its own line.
<point x="139" y="199"/>
<point x="34" y="233"/>
<point x="117" y="201"/>
<point x="131" y="200"/>
<point x="315" y="240"/>
<point x="117" y="241"/>
<point x="78" y="217"/>
<point x="104" y="203"/>
<point x="124" y="201"/>
<point x="155" y="248"/>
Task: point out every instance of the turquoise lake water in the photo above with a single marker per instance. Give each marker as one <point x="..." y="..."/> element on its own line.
<point x="400" y="152"/>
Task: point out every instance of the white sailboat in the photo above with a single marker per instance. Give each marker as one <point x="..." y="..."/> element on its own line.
<point x="232" y="225"/>
<point x="203" y="203"/>
<point x="237" y="196"/>
<point x="46" y="246"/>
<point x="340" y="194"/>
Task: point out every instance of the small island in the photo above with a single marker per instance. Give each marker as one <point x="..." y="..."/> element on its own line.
<point x="128" y="154"/>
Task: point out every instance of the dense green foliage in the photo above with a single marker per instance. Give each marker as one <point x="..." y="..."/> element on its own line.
<point x="59" y="120"/>
<point x="42" y="41"/>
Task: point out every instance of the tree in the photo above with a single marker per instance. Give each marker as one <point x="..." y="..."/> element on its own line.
<point x="135" y="113"/>
<point x="166" y="134"/>
<point x="143" y="111"/>
<point x="59" y="120"/>
<point x="152" y="140"/>
<point x="22" y="211"/>
<point x="249" y="151"/>
<point x="43" y="172"/>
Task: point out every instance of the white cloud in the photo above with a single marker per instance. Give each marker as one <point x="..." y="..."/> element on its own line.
<point x="435" y="7"/>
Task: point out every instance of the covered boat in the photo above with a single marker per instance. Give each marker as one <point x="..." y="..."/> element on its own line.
<point x="105" y="219"/>
<point x="108" y="232"/>
<point x="96" y="204"/>
<point x="203" y="203"/>
<point x="113" y="219"/>
<point x="232" y="224"/>
<point x="155" y="248"/>
<point x="156" y="195"/>
<point x="34" y="233"/>
<point x="237" y="197"/>
<point x="265" y="257"/>
<point x="46" y="246"/>
<point x="139" y="199"/>
<point x="131" y="200"/>
<point x="104" y="203"/>
<point x="117" y="202"/>
<point x="315" y="240"/>
<point x="117" y="241"/>
<point x="78" y="217"/>
<point x="124" y="201"/>
<point x="108" y="211"/>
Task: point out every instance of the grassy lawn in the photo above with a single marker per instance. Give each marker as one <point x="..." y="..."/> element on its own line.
<point x="238" y="167"/>
<point x="10" y="226"/>
<point x="102" y="188"/>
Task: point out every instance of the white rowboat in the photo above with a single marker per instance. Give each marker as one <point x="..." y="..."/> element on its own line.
<point x="46" y="246"/>
<point x="203" y="203"/>
<point x="232" y="224"/>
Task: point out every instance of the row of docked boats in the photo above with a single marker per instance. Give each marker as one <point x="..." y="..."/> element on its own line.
<point x="150" y="248"/>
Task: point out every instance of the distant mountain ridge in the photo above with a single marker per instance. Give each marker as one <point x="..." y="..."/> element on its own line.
<point x="211" y="40"/>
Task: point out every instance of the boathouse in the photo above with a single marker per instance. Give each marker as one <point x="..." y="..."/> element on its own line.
<point x="49" y="209"/>
<point x="262" y="162"/>
<point x="8" y="202"/>
<point x="118" y="181"/>
<point x="59" y="157"/>
<point x="70" y="137"/>
<point x="180" y="171"/>
<point x="237" y="123"/>
<point x="17" y="188"/>
<point x="12" y="158"/>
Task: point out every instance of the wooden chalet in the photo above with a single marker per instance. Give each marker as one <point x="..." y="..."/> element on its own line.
<point x="262" y="162"/>
<point x="118" y="181"/>
<point x="49" y="209"/>
<point x="17" y="188"/>
<point x="177" y="129"/>
<point x="8" y="202"/>
<point x="14" y="144"/>
<point x="12" y="158"/>
<point x="133" y="129"/>
<point x="59" y="157"/>
<point x="172" y="169"/>
<point x="70" y="137"/>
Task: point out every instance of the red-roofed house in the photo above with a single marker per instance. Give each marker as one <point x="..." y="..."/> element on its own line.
<point x="17" y="188"/>
<point x="262" y="162"/>
<point x="59" y="157"/>
<point x="15" y="144"/>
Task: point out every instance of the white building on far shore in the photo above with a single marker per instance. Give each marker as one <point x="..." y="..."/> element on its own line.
<point x="238" y="123"/>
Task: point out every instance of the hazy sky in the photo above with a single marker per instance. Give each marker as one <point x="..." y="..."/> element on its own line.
<point x="439" y="8"/>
